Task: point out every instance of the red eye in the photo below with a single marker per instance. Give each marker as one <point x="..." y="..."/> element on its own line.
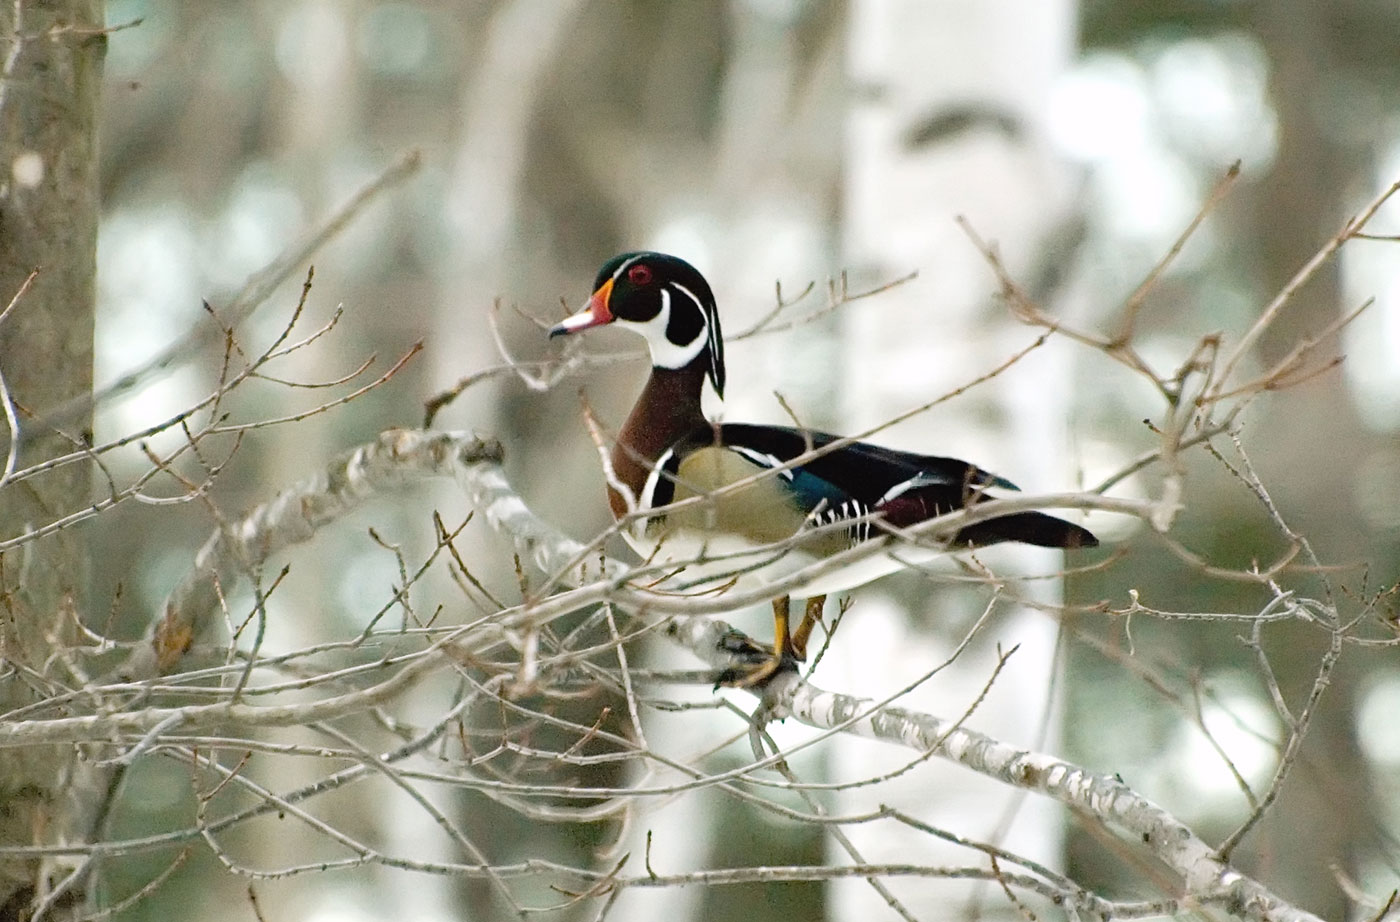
<point x="639" y="275"/>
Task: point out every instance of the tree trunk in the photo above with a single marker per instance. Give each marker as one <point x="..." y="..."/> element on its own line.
<point x="52" y="56"/>
<point x="950" y="121"/>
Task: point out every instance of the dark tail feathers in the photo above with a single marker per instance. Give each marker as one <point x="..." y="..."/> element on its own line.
<point x="1028" y="528"/>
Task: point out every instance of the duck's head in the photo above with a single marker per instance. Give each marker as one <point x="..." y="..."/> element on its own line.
<point x="665" y="300"/>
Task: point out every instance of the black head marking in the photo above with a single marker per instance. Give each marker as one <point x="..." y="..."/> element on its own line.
<point x="644" y="283"/>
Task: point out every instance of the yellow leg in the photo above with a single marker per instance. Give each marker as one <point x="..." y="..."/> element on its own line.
<point x="797" y="643"/>
<point x="789" y="647"/>
<point x="782" y="640"/>
<point x="782" y="651"/>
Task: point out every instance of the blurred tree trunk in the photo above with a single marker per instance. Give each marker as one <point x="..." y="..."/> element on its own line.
<point x="49" y="86"/>
<point x="950" y="121"/>
<point x="1298" y="205"/>
<point x="1302" y="200"/>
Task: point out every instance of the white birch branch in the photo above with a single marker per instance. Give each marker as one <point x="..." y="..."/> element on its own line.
<point x="395" y="459"/>
<point x="400" y="457"/>
<point x="1205" y="879"/>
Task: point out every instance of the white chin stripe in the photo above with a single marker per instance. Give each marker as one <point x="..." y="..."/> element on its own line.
<point x="664" y="353"/>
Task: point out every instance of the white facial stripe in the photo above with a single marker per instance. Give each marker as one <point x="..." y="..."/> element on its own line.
<point x="711" y="331"/>
<point x="624" y="267"/>
<point x="664" y="353"/>
<point x="691" y="295"/>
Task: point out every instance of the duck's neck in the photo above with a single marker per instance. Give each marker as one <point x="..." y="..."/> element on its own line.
<point x="667" y="411"/>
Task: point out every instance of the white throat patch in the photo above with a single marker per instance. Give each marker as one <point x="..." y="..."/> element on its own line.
<point x="664" y="353"/>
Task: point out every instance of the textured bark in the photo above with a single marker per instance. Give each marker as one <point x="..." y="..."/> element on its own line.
<point x="1298" y="205"/>
<point x="51" y="54"/>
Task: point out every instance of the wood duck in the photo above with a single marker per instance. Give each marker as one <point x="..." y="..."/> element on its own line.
<point x="769" y="526"/>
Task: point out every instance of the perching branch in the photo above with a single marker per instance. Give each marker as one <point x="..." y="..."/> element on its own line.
<point x="399" y="458"/>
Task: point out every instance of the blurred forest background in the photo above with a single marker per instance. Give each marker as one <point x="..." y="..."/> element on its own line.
<point x="788" y="141"/>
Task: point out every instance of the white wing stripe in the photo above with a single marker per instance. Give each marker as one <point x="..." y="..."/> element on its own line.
<point x="904" y="486"/>
<point x="762" y="459"/>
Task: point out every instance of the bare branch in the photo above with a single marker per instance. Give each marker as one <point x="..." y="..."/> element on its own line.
<point x="1270" y="313"/>
<point x="258" y="288"/>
